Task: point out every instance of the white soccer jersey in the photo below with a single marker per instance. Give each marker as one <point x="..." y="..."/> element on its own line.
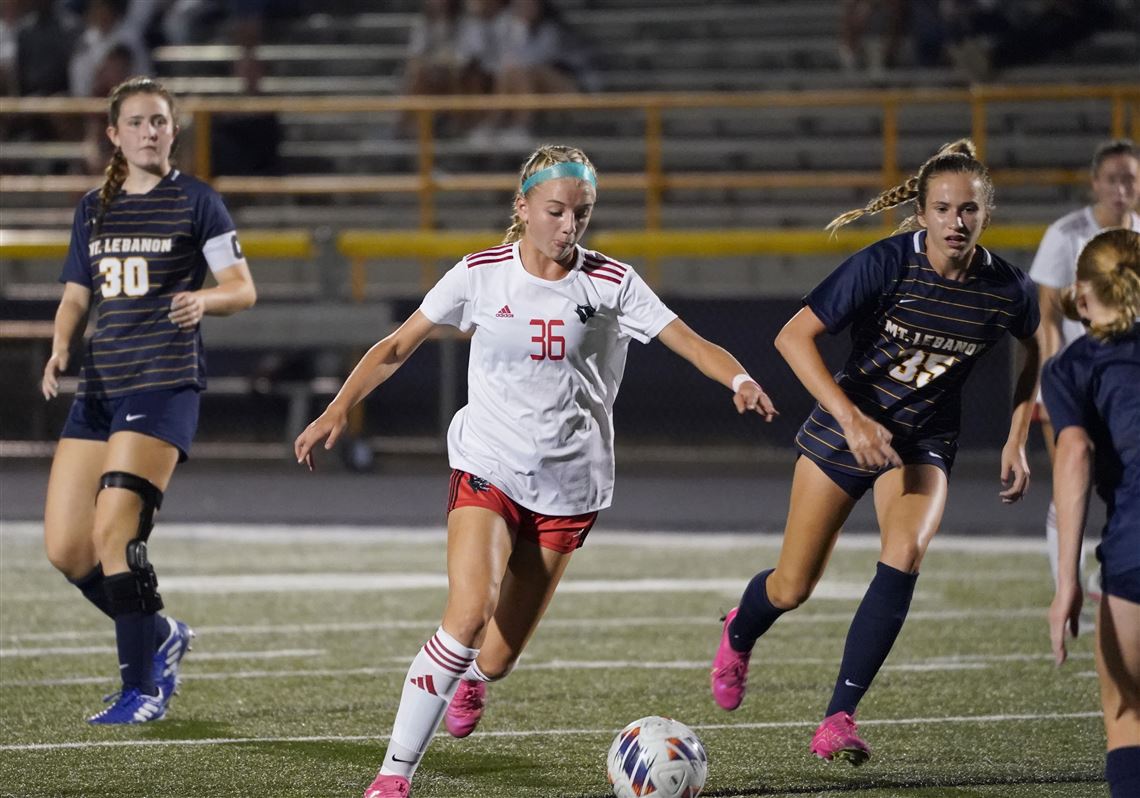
<point x="546" y="361"/>
<point x="1055" y="264"/>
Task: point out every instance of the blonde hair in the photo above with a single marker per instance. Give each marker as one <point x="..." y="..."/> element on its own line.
<point x="117" y="168"/>
<point x="1110" y="264"/>
<point x="544" y="156"/>
<point x="958" y="157"/>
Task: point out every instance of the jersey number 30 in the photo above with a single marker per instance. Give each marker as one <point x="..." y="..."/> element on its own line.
<point x="921" y="367"/>
<point x="127" y="277"/>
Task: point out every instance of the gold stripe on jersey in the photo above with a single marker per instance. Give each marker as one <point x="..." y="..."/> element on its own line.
<point x="956" y="304"/>
<point x="143" y="372"/>
<point x="122" y="211"/>
<point x="856" y="468"/>
<point x="144" y="360"/>
<point x="141" y="348"/>
<point x="956" y="288"/>
<point x="909" y="309"/>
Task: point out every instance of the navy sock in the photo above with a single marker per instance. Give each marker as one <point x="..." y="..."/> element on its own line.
<point x="754" y="616"/>
<point x="135" y="640"/>
<point x="1122" y="770"/>
<point x="873" y="630"/>
<point x="91" y="586"/>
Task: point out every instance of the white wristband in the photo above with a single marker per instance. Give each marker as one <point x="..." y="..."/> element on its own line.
<point x="739" y="380"/>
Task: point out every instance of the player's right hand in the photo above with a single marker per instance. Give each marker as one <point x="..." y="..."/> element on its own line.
<point x="327" y="427"/>
<point x="56" y="365"/>
<point x="1065" y="611"/>
<point x="870" y="442"/>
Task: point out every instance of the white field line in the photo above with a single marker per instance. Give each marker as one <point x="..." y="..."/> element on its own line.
<point x="937" y="664"/>
<point x="855" y="540"/>
<point x="428" y="626"/>
<point x="61" y="651"/>
<point x="809" y="724"/>
<point x="342" y="582"/>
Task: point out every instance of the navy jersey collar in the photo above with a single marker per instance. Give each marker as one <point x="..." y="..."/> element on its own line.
<point x="982" y="257"/>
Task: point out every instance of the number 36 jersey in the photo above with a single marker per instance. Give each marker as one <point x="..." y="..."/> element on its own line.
<point x="547" y="357"/>
<point x="149" y="247"/>
<point x="915" y="338"/>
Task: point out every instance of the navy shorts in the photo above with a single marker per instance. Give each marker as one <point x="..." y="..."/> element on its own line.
<point x="1125" y="585"/>
<point x="170" y="416"/>
<point x="917" y="453"/>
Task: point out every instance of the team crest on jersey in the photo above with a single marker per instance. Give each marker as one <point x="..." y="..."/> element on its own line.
<point x="478" y="484"/>
<point x="585" y="312"/>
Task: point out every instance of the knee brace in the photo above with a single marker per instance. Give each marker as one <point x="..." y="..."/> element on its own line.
<point x="137" y="590"/>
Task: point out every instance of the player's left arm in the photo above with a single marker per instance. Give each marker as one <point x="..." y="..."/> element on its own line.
<point x="718" y="364"/>
<point x="234" y="292"/>
<point x="1014" y="465"/>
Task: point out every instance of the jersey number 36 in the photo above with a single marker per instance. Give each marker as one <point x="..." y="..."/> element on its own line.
<point x="127" y="277"/>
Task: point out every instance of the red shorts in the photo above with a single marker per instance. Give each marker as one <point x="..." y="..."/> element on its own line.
<point x="562" y="533"/>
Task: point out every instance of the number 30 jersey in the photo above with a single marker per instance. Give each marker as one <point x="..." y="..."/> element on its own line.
<point x="546" y="361"/>
<point x="915" y="338"/>
<point x="150" y="247"/>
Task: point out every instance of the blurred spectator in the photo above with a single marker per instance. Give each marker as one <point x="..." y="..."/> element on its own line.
<point x="481" y="29"/>
<point x="246" y="144"/>
<point x="10" y="12"/>
<point x="986" y="37"/>
<point x="540" y="54"/>
<point x="116" y="67"/>
<point x="432" y="65"/>
<point x="855" y="17"/>
<point x="192" y="21"/>
<point x="46" y="41"/>
<point x="107" y="27"/>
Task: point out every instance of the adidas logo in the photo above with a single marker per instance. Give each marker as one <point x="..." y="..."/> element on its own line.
<point x="505" y="313"/>
<point x="425" y="683"/>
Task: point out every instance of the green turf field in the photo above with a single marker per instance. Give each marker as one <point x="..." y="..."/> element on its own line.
<point x="304" y="637"/>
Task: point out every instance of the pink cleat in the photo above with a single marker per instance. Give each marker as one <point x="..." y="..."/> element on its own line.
<point x="838" y="737"/>
<point x="466" y="708"/>
<point x="729" y="670"/>
<point x="388" y="787"/>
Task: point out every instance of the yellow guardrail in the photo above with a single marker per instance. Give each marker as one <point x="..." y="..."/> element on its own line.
<point x="1122" y="102"/>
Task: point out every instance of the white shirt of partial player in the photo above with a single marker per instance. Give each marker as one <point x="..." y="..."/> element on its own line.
<point x="546" y="361"/>
<point x="1055" y="264"/>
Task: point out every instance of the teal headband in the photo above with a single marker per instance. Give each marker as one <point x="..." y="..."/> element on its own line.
<point x="564" y="169"/>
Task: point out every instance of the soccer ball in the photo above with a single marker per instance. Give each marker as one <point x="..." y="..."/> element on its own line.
<point x="657" y="757"/>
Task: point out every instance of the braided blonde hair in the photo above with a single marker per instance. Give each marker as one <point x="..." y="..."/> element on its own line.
<point x="544" y="156"/>
<point x="117" y="168"/>
<point x="1110" y="264"/>
<point x="958" y="157"/>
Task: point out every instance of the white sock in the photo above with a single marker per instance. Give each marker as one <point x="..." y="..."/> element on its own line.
<point x="430" y="684"/>
<point x="1054" y="546"/>
<point x="475" y="675"/>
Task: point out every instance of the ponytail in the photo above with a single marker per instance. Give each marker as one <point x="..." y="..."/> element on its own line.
<point x="1110" y="264"/>
<point x="114" y="176"/>
<point x="956" y="157"/>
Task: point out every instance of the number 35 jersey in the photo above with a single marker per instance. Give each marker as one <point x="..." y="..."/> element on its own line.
<point x="915" y="338"/>
<point x="150" y="247"/>
<point x="547" y="357"/>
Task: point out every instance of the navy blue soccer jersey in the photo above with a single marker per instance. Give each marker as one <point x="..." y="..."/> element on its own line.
<point x="149" y="247"/>
<point x="915" y="338"/>
<point x="1092" y="384"/>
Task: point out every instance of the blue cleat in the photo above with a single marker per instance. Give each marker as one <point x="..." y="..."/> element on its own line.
<point x="130" y="706"/>
<point x="168" y="658"/>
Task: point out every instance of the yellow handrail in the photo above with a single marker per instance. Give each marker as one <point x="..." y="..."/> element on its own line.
<point x="1123" y="101"/>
